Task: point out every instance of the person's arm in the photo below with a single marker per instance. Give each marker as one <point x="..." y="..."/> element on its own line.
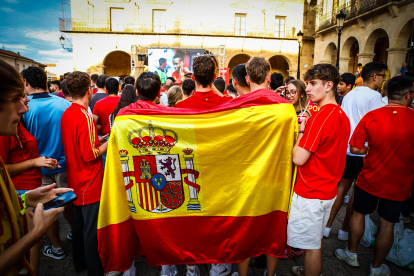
<point x="42" y="220"/>
<point x="362" y="151"/>
<point x="359" y="137"/>
<point x="96" y="118"/>
<point x="18" y="168"/>
<point x="300" y="155"/>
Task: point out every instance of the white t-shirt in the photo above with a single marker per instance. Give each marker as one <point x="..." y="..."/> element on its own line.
<point x="384" y="101"/>
<point x="357" y="103"/>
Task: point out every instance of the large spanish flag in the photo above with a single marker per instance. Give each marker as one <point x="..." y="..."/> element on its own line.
<point x="185" y="186"/>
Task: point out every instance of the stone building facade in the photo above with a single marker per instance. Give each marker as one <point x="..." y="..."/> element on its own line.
<point x="104" y="31"/>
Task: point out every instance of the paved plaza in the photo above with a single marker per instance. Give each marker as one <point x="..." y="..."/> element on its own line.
<point x="331" y="265"/>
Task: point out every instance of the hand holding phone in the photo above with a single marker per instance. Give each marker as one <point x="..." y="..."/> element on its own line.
<point x="60" y="201"/>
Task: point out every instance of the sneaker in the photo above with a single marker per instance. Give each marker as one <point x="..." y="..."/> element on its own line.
<point x="293" y="254"/>
<point x="23" y="271"/>
<point x="405" y="219"/>
<point x="298" y="270"/>
<point x="346" y="256"/>
<point x="342" y="235"/>
<point x="235" y="274"/>
<point x="346" y="199"/>
<point x="196" y="271"/>
<point x="52" y="253"/>
<point x="113" y="273"/>
<point x="326" y="232"/>
<point x="265" y="273"/>
<point x="220" y="269"/>
<point x="173" y="271"/>
<point x="383" y="270"/>
<point x="69" y="236"/>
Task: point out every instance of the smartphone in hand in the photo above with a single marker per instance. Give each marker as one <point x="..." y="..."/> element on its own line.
<point x="62" y="200"/>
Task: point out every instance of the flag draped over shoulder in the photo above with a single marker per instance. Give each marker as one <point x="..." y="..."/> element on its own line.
<point x="186" y="186"/>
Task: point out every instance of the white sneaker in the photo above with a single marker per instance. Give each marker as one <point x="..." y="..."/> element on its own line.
<point x="265" y="273"/>
<point x="23" y="271"/>
<point x="412" y="214"/>
<point x="326" y="232"/>
<point x="196" y="271"/>
<point x="113" y="273"/>
<point x="405" y="219"/>
<point x="235" y="274"/>
<point x="342" y="235"/>
<point x="346" y="256"/>
<point x="383" y="270"/>
<point x="220" y="269"/>
<point x="173" y="271"/>
<point x="346" y="199"/>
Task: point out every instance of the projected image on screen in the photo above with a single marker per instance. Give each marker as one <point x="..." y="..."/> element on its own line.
<point x="178" y="61"/>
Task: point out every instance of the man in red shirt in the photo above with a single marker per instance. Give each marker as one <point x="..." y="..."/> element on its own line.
<point x="83" y="152"/>
<point x="386" y="179"/>
<point x="103" y="108"/>
<point x="204" y="97"/>
<point x="320" y="154"/>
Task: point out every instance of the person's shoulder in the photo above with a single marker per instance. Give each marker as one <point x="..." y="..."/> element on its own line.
<point x="187" y="103"/>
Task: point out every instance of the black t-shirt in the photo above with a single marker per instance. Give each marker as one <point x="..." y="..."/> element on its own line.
<point x="95" y="98"/>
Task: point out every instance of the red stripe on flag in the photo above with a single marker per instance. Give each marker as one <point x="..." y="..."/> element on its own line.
<point x="198" y="240"/>
<point x="151" y="196"/>
<point x="124" y="241"/>
<point x="141" y="203"/>
<point x="146" y="196"/>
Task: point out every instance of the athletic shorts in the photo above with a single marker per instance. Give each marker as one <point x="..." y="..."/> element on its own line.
<point x="307" y="220"/>
<point x="353" y="166"/>
<point x="60" y="179"/>
<point x="366" y="203"/>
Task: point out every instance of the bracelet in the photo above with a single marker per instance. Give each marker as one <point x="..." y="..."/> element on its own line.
<point x="301" y="131"/>
<point x="23" y="198"/>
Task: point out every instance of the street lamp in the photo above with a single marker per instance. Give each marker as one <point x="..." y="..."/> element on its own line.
<point x="62" y="42"/>
<point x="300" y="36"/>
<point x="340" y="18"/>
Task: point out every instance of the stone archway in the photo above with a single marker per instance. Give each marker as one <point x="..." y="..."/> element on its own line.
<point x="348" y="59"/>
<point x="236" y="60"/>
<point x="375" y="48"/>
<point x="329" y="56"/>
<point x="279" y="64"/>
<point x="117" y="63"/>
<point x="398" y="51"/>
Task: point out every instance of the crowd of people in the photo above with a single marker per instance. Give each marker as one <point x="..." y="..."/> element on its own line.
<point x="54" y="139"/>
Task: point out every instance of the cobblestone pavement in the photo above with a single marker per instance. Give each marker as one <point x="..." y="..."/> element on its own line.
<point x="331" y="265"/>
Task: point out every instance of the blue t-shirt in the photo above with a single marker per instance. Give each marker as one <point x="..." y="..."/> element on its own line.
<point x="43" y="122"/>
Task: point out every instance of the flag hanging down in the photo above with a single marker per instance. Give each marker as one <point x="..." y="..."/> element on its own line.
<point x="186" y="186"/>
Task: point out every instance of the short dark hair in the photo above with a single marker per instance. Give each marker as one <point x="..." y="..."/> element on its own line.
<point x="398" y="86"/>
<point x="78" y="84"/>
<point x="100" y="82"/>
<point x="188" y="75"/>
<point x="372" y="68"/>
<point x="188" y="86"/>
<point x="258" y="69"/>
<point x="220" y="84"/>
<point x="65" y="89"/>
<point x="56" y="82"/>
<point x="325" y="72"/>
<point x="204" y="68"/>
<point x="348" y="79"/>
<point x="94" y="77"/>
<point x="36" y="77"/>
<point x="129" y="80"/>
<point x="171" y="78"/>
<point x="288" y="79"/>
<point x="276" y="80"/>
<point x="162" y="60"/>
<point x="239" y="74"/>
<point x="148" y="85"/>
<point x="230" y="88"/>
<point x="11" y="83"/>
<point x="112" y="86"/>
<point x="178" y="55"/>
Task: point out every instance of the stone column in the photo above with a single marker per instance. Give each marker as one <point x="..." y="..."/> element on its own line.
<point x="365" y="58"/>
<point x="293" y="73"/>
<point x="344" y="65"/>
<point x="396" y="56"/>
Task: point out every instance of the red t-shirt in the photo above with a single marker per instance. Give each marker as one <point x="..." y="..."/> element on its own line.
<point x="313" y="108"/>
<point x="388" y="170"/>
<point x="326" y="136"/>
<point x="83" y="164"/>
<point x="14" y="150"/>
<point x="203" y="100"/>
<point x="103" y="108"/>
<point x="94" y="91"/>
<point x="177" y="76"/>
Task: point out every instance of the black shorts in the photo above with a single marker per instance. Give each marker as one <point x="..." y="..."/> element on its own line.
<point x="365" y="203"/>
<point x="353" y="166"/>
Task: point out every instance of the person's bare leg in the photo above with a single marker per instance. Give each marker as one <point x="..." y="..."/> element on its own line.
<point x="53" y="235"/>
<point x="356" y="231"/>
<point x="383" y="241"/>
<point x="348" y="214"/>
<point x="271" y="265"/>
<point x="312" y="262"/>
<point x="343" y="188"/>
<point x="35" y="250"/>
<point x="243" y="267"/>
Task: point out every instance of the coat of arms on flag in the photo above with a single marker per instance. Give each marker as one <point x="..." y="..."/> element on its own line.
<point x="158" y="173"/>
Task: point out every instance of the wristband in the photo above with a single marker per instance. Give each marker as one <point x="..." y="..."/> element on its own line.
<point x="301" y="131"/>
<point x="23" y="198"/>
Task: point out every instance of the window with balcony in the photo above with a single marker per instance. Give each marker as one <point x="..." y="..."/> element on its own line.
<point x="158" y="21"/>
<point x="280" y="26"/>
<point x="117" y="19"/>
<point x="240" y="24"/>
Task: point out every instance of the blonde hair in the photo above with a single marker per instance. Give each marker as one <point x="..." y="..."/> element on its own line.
<point x="300" y="88"/>
<point x="174" y="95"/>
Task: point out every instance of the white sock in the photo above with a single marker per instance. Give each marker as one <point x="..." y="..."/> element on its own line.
<point x="166" y="270"/>
<point x="375" y="269"/>
<point x="56" y="249"/>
